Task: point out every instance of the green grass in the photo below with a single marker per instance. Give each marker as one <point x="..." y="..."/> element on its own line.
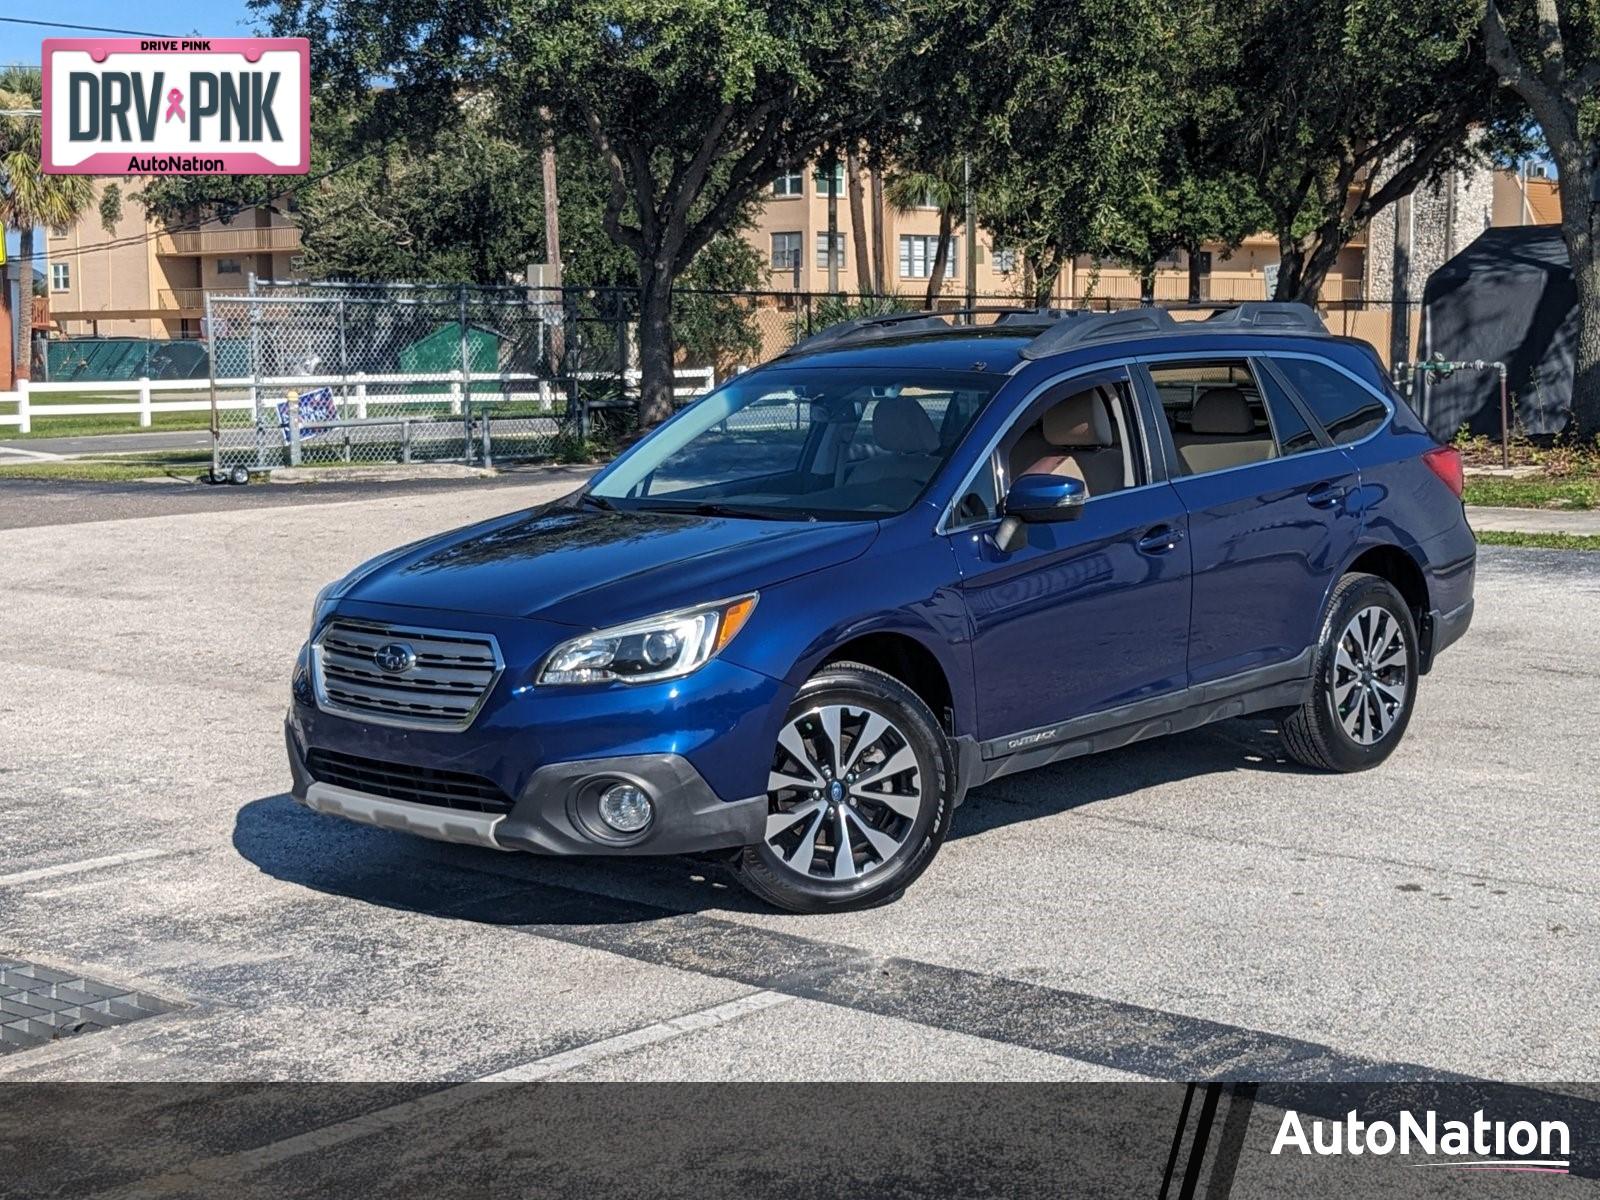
<point x="121" y="468"/>
<point x="55" y="427"/>
<point x="1573" y="491"/>
<point x="98" y="471"/>
<point x="1540" y="541"/>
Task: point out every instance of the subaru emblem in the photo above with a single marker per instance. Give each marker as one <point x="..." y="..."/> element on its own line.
<point x="395" y="657"/>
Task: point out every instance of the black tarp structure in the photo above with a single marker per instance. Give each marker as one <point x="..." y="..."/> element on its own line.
<point x="1508" y="297"/>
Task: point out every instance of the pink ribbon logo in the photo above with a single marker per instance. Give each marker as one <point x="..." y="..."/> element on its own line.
<point x="175" y="105"/>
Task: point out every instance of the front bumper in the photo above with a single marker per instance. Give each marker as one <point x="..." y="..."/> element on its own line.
<point x="555" y="812"/>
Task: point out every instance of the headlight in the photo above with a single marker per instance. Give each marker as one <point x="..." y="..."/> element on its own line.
<point x="661" y="647"/>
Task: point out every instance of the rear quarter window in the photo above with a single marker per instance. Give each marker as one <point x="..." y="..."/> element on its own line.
<point x="1345" y="409"/>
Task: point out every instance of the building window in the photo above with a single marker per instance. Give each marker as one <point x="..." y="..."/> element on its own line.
<point x="838" y="179"/>
<point x="790" y="183"/>
<point x="785" y="251"/>
<point x="60" y="277"/>
<point x="917" y="252"/>
<point x="227" y="266"/>
<point x="1005" y="260"/>
<point x="822" y="250"/>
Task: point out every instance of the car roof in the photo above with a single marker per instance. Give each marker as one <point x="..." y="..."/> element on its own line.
<point x="962" y="348"/>
<point x="952" y="340"/>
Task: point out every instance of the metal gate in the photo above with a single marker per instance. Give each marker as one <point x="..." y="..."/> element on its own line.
<point x="329" y="374"/>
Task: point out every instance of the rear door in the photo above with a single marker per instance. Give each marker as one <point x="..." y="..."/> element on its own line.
<point x="1271" y="505"/>
<point x="1087" y="614"/>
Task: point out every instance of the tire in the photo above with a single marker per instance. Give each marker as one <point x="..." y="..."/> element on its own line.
<point x="894" y="818"/>
<point x="1364" y="686"/>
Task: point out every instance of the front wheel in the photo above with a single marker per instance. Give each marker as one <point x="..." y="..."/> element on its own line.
<point x="1365" y="682"/>
<point x="859" y="794"/>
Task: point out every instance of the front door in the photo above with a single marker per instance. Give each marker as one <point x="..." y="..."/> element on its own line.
<point x="1088" y="614"/>
<point x="1270" y="508"/>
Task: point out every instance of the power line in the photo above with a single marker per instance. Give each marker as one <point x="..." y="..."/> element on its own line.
<point x="84" y="28"/>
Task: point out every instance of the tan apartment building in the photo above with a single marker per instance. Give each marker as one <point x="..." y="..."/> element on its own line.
<point x="790" y="232"/>
<point x="141" y="280"/>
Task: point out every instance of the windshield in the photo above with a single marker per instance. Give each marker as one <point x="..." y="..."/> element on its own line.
<point x="825" y="443"/>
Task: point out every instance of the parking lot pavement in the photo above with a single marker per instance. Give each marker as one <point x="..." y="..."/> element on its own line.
<point x="1193" y="907"/>
<point x="32" y="502"/>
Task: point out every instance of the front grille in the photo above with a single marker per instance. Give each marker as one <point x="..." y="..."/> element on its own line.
<point x="399" y="781"/>
<point x="445" y="684"/>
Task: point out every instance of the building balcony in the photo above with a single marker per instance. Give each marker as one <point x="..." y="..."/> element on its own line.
<point x="189" y="302"/>
<point x="201" y="243"/>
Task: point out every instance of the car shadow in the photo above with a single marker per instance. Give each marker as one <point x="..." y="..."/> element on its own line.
<point x="412" y="874"/>
<point x="1244" y="744"/>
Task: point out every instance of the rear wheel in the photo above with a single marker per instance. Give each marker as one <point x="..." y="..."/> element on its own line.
<point x="858" y="797"/>
<point x="1365" y="682"/>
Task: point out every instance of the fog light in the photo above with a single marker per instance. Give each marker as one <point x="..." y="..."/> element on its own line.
<point x="625" y="808"/>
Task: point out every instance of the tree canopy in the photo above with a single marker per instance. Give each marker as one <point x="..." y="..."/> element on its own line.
<point x="1123" y="130"/>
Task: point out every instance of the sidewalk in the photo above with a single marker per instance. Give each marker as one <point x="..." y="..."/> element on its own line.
<point x="1535" y="520"/>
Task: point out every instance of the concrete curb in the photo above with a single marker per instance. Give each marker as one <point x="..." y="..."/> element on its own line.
<point x="1534" y="520"/>
<point x="396" y="473"/>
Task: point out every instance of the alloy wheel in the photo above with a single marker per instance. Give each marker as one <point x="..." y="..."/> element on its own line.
<point x="843" y="794"/>
<point x="1369" y="675"/>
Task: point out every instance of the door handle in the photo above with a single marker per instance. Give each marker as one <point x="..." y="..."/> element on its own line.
<point x="1160" y="540"/>
<point x="1326" y="495"/>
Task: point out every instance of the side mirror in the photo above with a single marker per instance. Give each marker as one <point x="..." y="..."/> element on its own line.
<point x="1039" y="498"/>
<point x="1036" y="499"/>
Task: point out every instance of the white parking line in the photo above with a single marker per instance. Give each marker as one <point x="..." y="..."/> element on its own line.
<point x="649" y="1035"/>
<point x="231" y="1166"/>
<point x="87" y="864"/>
<point x="29" y="455"/>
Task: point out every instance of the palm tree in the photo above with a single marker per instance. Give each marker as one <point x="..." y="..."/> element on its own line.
<point x="28" y="199"/>
<point x="939" y="187"/>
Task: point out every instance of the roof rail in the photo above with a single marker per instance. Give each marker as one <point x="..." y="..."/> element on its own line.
<point x="1099" y="327"/>
<point x="1255" y="316"/>
<point x="870" y="329"/>
<point x="1261" y="315"/>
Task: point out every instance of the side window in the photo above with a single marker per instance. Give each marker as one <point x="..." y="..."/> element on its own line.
<point x="1083" y="428"/>
<point x="981" y="500"/>
<point x="1216" y="413"/>
<point x="1293" y="434"/>
<point x="1346" y="409"/>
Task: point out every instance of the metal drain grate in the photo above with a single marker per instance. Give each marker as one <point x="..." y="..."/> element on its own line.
<point x="39" y="1005"/>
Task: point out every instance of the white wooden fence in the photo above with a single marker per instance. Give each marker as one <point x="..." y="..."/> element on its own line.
<point x="351" y="390"/>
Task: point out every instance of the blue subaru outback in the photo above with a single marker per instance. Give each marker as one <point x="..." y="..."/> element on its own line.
<point x="796" y="623"/>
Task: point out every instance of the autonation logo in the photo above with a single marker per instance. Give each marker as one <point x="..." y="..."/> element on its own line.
<point x="1480" y="1145"/>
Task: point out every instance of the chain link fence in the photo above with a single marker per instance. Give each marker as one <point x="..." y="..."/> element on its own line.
<point x="309" y="374"/>
<point x="327" y="374"/>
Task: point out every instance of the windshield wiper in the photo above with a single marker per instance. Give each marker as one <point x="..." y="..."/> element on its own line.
<point x="711" y="508"/>
<point x="597" y="501"/>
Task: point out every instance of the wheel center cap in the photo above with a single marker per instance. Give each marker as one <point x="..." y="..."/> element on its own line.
<point x="836" y="791"/>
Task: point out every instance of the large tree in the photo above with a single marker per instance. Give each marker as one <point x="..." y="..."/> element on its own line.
<point x="1063" y="107"/>
<point x="1548" y="53"/>
<point x="28" y="199"/>
<point x="1341" y="107"/>
<point x="691" y="107"/>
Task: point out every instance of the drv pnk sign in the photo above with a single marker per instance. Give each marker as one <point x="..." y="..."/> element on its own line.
<point x="177" y="106"/>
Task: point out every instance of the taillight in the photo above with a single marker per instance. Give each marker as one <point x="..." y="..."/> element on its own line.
<point x="1445" y="462"/>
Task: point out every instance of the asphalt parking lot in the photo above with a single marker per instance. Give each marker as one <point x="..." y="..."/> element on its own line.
<point x="1187" y="908"/>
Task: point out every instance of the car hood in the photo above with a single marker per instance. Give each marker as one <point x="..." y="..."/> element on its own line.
<point x="589" y="568"/>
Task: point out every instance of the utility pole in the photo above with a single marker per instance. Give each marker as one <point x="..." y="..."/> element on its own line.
<point x="552" y="207"/>
<point x="972" y="238"/>
<point x="550" y="274"/>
